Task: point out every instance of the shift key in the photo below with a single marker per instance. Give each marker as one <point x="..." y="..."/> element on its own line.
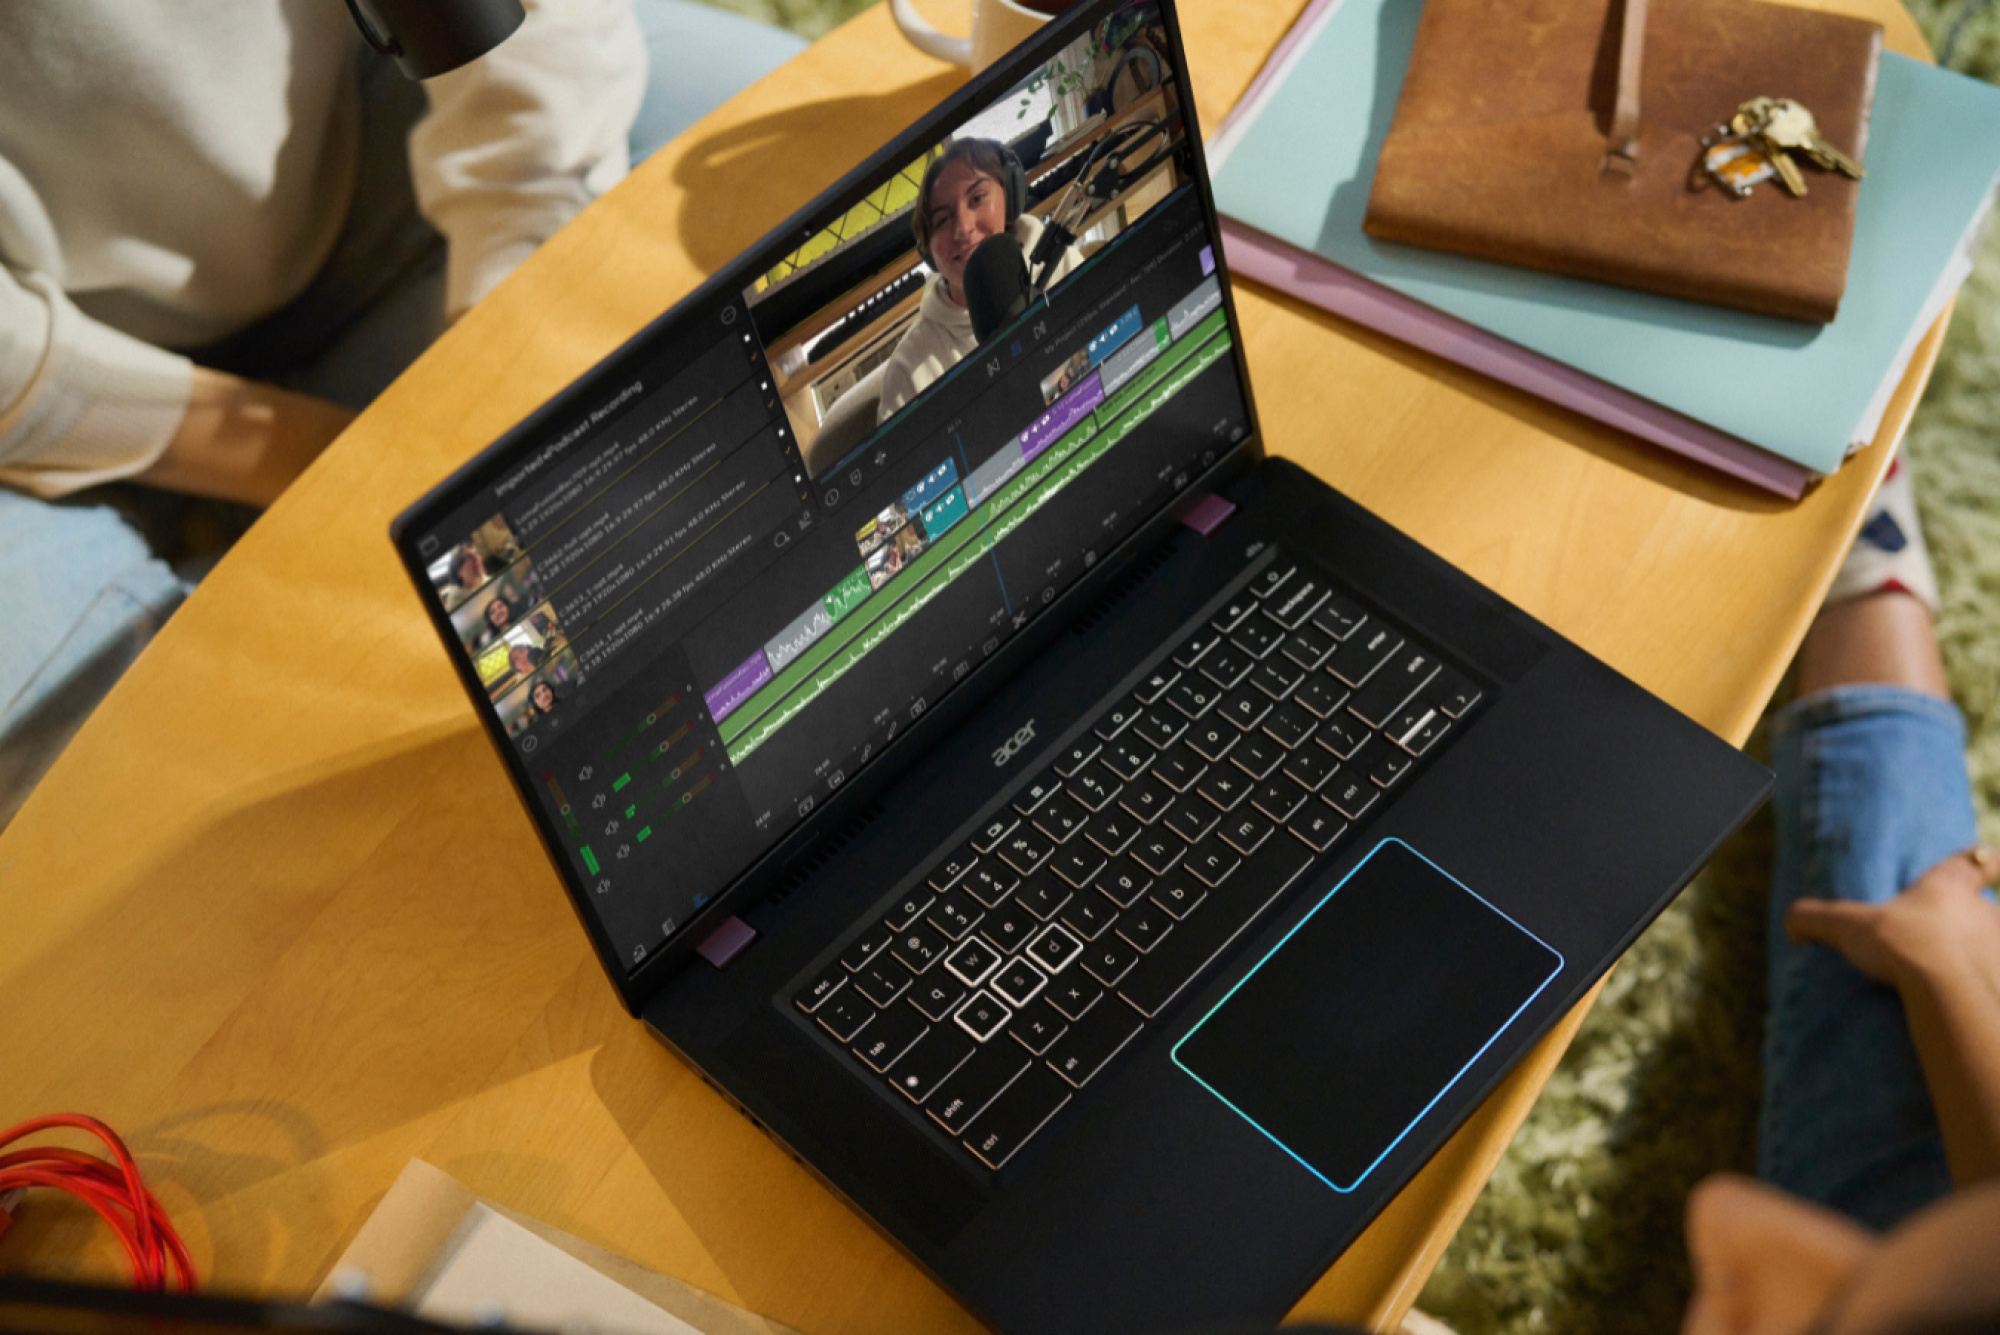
<point x="977" y="1083"/>
<point x="1023" y="1109"/>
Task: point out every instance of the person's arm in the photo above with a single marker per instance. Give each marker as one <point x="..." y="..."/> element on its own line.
<point x="240" y="440"/>
<point x="1938" y="944"/>
<point x="519" y="141"/>
<point x="83" y="404"/>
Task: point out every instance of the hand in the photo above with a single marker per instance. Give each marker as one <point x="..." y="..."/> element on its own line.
<point x="240" y="440"/>
<point x="1940" y="923"/>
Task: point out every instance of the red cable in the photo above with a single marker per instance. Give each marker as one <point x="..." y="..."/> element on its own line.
<point x="114" y="1190"/>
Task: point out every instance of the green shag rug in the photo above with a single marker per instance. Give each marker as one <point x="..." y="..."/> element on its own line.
<point x="1580" y="1229"/>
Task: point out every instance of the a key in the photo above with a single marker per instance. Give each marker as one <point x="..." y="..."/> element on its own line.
<point x="1037" y="1027"/>
<point x="954" y="914"/>
<point x="828" y="983"/>
<point x="1026" y="849"/>
<point x="1044" y="896"/>
<point x="1786" y="124"/>
<point x="1355" y="661"/>
<point x="982" y="1017"/>
<point x="1018" y="983"/>
<point x="1309" y="648"/>
<point x="1179" y="769"/>
<point x="1246" y="831"/>
<point x="1213" y="861"/>
<point x="1257" y="756"/>
<point x="883" y="981"/>
<point x="1279" y="798"/>
<point x="1311" y="767"/>
<point x="1117" y="718"/>
<point x="846" y="1015"/>
<point x="890" y="1037"/>
<point x="938" y="995"/>
<point x="1079" y="863"/>
<point x="1093" y="1041"/>
<point x="1157" y="685"/>
<point x="973" y="961"/>
<point x="866" y="948"/>
<point x="1054" y="949"/>
<point x="990" y="883"/>
<point x="1338" y="617"/>
<point x="1114" y="830"/>
<point x="908" y="909"/>
<point x="1062" y="816"/>
<point x="1272" y="580"/>
<point x="1290" y="725"/>
<point x="1213" y="739"/>
<point x="1160" y="728"/>
<point x="1241" y="606"/>
<point x="1038" y="791"/>
<point x="1012" y="1119"/>
<point x="1073" y="760"/>
<point x="1074" y="994"/>
<point x="1245" y="707"/>
<point x="1196" y="648"/>
<point x="995" y="830"/>
<point x="1227" y="666"/>
<point x="1194" y="697"/>
<point x="1257" y="637"/>
<point x="1179" y="894"/>
<point x="1321" y="694"/>
<point x="1192" y="820"/>
<point x="1007" y="928"/>
<point x="932" y="1062"/>
<point x="947" y="873"/>
<point x="1276" y="678"/>
<point x="1781" y="162"/>
<point x="918" y="946"/>
<point x="1299" y="601"/>
<point x="1108" y="960"/>
<point x="1144" y="927"/>
<point x="1094" y="788"/>
<point x="1225" y="786"/>
<point x="1350" y="795"/>
<point x="975" y="1085"/>
<point x="1158" y="851"/>
<point x="1128" y="759"/>
<point x="1123" y="882"/>
<point x="1147" y="800"/>
<point x="1088" y="915"/>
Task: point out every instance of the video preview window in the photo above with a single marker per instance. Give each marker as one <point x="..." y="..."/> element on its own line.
<point x="519" y="647"/>
<point x="883" y="302"/>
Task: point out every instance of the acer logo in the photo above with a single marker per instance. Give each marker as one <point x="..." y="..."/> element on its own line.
<point x="1012" y="746"/>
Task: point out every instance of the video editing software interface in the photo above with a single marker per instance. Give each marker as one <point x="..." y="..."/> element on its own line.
<point x="706" y="599"/>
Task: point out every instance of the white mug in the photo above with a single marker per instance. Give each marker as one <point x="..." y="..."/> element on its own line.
<point x="998" y="26"/>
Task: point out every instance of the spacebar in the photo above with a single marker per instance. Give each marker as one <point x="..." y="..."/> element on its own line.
<point x="1159" y="977"/>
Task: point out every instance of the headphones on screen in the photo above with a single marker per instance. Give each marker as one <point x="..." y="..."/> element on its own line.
<point x="1013" y="186"/>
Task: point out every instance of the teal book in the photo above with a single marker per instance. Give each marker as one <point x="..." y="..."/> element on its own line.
<point x="1297" y="159"/>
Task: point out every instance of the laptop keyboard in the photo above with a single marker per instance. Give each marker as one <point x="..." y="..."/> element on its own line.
<point x="1030" y="956"/>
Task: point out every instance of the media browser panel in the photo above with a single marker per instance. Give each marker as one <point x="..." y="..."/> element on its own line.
<point x="710" y="598"/>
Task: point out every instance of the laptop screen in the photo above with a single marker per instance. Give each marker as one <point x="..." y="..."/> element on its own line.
<point x="740" y="558"/>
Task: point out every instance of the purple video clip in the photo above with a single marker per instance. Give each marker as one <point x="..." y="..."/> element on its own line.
<point x="738" y="686"/>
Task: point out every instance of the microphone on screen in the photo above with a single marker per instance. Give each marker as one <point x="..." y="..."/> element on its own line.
<point x="996" y="285"/>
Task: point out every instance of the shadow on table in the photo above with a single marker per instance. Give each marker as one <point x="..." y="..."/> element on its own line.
<point x="809" y="147"/>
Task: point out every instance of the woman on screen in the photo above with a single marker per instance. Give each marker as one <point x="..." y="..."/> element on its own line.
<point x="973" y="190"/>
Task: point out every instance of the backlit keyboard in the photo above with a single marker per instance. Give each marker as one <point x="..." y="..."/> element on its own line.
<point x="1027" y="958"/>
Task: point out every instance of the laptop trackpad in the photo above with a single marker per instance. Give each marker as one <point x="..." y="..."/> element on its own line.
<point x="1344" y="1036"/>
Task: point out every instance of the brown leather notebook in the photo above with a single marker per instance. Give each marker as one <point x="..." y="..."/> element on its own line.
<point x="1498" y="142"/>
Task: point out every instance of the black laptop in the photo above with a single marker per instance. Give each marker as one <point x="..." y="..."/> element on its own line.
<point x="1111" y="859"/>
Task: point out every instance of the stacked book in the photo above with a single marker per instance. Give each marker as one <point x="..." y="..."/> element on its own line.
<point x="1770" y="400"/>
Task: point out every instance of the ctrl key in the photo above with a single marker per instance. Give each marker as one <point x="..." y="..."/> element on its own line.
<point x="1024" y="1108"/>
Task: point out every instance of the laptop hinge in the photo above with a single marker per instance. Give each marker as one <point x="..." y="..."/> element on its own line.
<point x="1207" y="514"/>
<point x="726" y="942"/>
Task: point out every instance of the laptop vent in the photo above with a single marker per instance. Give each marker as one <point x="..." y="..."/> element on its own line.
<point x="825" y="851"/>
<point x="1127" y="585"/>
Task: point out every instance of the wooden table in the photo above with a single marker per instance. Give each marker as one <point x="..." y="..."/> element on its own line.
<point x="277" y="917"/>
